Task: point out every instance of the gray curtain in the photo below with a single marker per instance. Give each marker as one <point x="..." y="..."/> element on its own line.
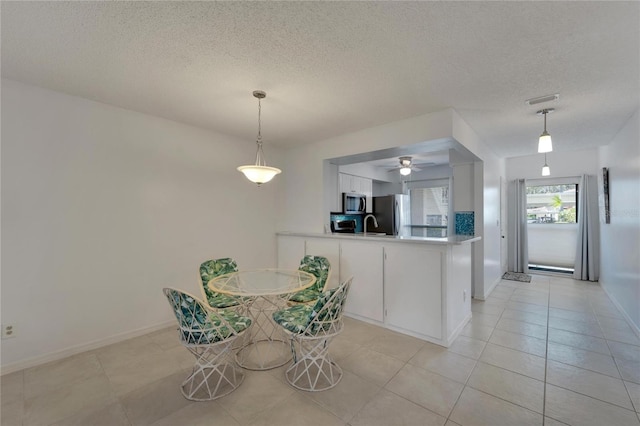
<point x="587" y="266"/>
<point x="518" y="255"/>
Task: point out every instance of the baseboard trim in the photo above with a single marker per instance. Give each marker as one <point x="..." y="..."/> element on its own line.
<point x="626" y="317"/>
<point x="487" y="292"/>
<point x="454" y="335"/>
<point x="73" y="350"/>
<point x="364" y="319"/>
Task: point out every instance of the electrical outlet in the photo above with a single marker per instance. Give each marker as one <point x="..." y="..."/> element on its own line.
<point x="8" y="331"/>
<point x="464" y="295"/>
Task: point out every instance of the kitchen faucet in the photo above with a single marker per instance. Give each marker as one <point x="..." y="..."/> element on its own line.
<point x="375" y="222"/>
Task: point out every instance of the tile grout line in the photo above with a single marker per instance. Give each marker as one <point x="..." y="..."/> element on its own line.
<point x="615" y="362"/>
<point x="610" y="354"/>
<point x="466" y="383"/>
<point x="546" y="358"/>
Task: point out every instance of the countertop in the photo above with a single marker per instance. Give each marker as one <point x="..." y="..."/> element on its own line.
<point x="453" y="240"/>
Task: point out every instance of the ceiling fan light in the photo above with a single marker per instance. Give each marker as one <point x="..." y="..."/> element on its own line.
<point x="544" y="143"/>
<point x="404" y="171"/>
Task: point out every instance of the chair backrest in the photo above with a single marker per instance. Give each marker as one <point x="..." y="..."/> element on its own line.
<point x="326" y="316"/>
<point x="199" y="325"/>
<point x="320" y="267"/>
<point x="214" y="268"/>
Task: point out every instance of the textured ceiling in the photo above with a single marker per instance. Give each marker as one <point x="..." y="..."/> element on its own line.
<point x="333" y="67"/>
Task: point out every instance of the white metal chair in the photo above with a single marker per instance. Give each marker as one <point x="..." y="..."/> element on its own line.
<point x="311" y="329"/>
<point x="209" y="335"/>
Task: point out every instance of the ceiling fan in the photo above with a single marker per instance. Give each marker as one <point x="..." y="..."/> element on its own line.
<point x="406" y="166"/>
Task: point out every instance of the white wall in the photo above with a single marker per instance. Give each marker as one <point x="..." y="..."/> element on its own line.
<point x="103" y="207"/>
<point x="432" y="172"/>
<point x="620" y="240"/>
<point x="463" y="189"/>
<point x="562" y="164"/>
<point x="380" y="189"/>
<point x="487" y="177"/>
<point x="368" y="171"/>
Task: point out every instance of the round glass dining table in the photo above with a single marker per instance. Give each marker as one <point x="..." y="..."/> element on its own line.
<point x="263" y="291"/>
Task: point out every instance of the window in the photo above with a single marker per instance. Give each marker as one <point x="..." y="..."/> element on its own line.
<point x="552" y="203"/>
<point x="430" y="209"/>
<point x="552" y="213"/>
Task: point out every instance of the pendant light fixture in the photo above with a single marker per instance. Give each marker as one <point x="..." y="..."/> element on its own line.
<point x="259" y="172"/>
<point x="544" y="143"/>
<point x="546" y="171"/>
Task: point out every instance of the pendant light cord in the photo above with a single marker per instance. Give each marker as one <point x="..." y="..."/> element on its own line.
<point x="260" y="121"/>
<point x="260" y="161"/>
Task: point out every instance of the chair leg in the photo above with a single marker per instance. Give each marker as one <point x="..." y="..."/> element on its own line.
<point x="214" y="374"/>
<point x="312" y="368"/>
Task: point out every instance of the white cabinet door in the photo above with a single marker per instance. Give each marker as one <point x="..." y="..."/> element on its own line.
<point x="290" y="251"/>
<point x="330" y="249"/>
<point x="363" y="262"/>
<point x="367" y="189"/>
<point x="412" y="289"/>
<point x="346" y="183"/>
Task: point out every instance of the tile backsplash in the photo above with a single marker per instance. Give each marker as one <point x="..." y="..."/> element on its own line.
<point x="465" y="223"/>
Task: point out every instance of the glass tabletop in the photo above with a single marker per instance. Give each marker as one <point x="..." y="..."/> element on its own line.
<point x="262" y="282"/>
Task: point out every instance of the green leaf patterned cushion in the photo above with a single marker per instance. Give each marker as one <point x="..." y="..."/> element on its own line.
<point x="295" y="318"/>
<point x="305" y="296"/>
<point x="332" y="311"/>
<point x="199" y="326"/>
<point x="313" y="319"/>
<point x="221" y="301"/>
<point x="214" y="268"/>
<point x="327" y="314"/>
<point x="319" y="267"/>
<point x="237" y="321"/>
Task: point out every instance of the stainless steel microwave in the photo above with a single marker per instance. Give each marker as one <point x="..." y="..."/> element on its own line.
<point x="353" y="203"/>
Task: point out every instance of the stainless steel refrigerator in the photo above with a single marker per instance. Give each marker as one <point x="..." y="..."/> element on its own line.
<point x="393" y="213"/>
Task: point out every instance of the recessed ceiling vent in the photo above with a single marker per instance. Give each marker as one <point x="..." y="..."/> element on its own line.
<point x="542" y="99"/>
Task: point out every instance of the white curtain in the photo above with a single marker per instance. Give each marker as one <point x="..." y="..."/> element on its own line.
<point x="587" y="266"/>
<point x="518" y="255"/>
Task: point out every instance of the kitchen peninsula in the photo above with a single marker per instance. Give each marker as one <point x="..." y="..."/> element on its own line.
<point x="414" y="285"/>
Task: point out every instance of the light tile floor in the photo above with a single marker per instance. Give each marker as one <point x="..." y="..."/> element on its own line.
<point x="554" y="351"/>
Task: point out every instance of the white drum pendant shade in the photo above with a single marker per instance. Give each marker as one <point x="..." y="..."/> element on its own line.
<point x="546" y="171"/>
<point x="544" y="142"/>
